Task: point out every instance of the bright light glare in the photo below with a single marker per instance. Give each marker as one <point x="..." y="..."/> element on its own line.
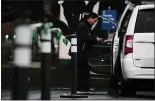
<point x="102" y="60"/>
<point x="7" y="36"/>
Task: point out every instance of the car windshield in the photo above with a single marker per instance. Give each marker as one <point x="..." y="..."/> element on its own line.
<point x="145" y="21"/>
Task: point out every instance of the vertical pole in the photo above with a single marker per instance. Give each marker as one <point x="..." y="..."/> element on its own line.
<point x="74" y="64"/>
<point x="22" y="61"/>
<point x="74" y="71"/>
<point x="45" y="62"/>
<point x="109" y="30"/>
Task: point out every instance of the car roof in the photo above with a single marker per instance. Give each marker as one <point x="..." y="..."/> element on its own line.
<point x="148" y="6"/>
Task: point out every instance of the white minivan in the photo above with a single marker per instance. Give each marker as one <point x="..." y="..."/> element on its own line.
<point x="133" y="46"/>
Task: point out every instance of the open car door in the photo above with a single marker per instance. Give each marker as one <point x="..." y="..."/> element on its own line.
<point x="102" y="57"/>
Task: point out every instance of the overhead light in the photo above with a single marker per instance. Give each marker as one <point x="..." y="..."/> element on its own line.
<point x="60" y="2"/>
<point x="7" y="36"/>
<point x="127" y="2"/>
<point x="14" y="36"/>
<point x="102" y="60"/>
<point x="109" y="8"/>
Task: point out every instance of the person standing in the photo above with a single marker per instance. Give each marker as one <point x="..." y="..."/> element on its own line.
<point x="85" y="40"/>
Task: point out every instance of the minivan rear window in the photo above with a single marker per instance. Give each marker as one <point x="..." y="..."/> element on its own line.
<point x="145" y="21"/>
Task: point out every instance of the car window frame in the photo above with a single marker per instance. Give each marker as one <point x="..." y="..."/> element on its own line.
<point x="141" y="23"/>
<point x="126" y="17"/>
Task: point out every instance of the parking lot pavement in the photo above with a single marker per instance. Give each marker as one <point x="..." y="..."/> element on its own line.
<point x="60" y="79"/>
<point x="98" y="95"/>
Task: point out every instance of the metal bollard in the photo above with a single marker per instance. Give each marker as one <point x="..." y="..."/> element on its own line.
<point x="22" y="62"/>
<point x="74" y="65"/>
<point x="45" y="61"/>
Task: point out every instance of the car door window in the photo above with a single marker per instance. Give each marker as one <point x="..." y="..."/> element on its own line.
<point x="145" y="21"/>
<point x="124" y="24"/>
<point x="123" y="29"/>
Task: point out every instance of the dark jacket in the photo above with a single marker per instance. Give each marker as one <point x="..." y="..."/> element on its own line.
<point x="85" y="39"/>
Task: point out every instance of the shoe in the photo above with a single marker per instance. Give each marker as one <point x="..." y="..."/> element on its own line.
<point x="92" y="89"/>
<point x="113" y="92"/>
<point x="90" y="92"/>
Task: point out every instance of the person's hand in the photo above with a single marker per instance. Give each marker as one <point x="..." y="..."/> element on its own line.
<point x="102" y="40"/>
<point x="99" y="39"/>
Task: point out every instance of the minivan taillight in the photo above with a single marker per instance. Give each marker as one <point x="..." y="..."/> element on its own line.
<point x="128" y="44"/>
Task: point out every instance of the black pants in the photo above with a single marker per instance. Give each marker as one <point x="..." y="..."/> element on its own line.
<point x="83" y="72"/>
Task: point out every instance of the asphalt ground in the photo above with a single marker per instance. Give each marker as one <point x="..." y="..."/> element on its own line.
<point x="60" y="77"/>
<point x="97" y="95"/>
<point x="60" y="84"/>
